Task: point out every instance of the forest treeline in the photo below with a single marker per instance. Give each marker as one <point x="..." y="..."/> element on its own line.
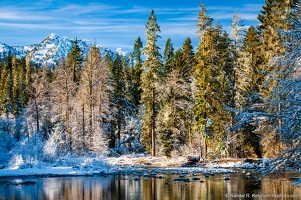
<point x="234" y="95"/>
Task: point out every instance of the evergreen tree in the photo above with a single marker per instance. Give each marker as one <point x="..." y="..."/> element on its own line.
<point x="118" y="97"/>
<point x="250" y="79"/>
<point x="151" y="78"/>
<point x="174" y="112"/>
<point x="178" y="102"/>
<point x="109" y="62"/>
<point x="204" y="21"/>
<point x="233" y="143"/>
<point x="168" y="57"/>
<point x="188" y="57"/>
<point x="19" y="89"/>
<point x="274" y="20"/>
<point x="175" y="119"/>
<point x="213" y="75"/>
<point x="75" y="60"/>
<point x="204" y="79"/>
<point x="28" y="74"/>
<point x="136" y="71"/>
<point x="7" y="86"/>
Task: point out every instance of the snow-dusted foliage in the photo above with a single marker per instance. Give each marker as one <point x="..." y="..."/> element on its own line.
<point x="174" y="119"/>
<point x="7" y="139"/>
<point x="237" y="31"/>
<point x="57" y="143"/>
<point x="130" y="139"/>
<point x="99" y="144"/>
<point x="279" y="116"/>
<point x="6" y="144"/>
<point x="27" y="151"/>
<point x="50" y="148"/>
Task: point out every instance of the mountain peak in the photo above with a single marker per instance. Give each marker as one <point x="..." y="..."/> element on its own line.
<point x="53" y="36"/>
<point x="53" y="50"/>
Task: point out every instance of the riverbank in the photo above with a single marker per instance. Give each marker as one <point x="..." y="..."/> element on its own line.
<point x="130" y="165"/>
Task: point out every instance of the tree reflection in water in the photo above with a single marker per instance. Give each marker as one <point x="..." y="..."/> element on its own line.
<point x="136" y="187"/>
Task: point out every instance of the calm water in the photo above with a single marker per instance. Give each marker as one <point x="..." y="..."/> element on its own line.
<point x="133" y="187"/>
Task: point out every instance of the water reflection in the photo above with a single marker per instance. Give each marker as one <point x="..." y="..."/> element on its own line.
<point x="131" y="187"/>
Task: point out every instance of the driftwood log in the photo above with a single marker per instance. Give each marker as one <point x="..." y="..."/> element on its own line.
<point x="193" y="159"/>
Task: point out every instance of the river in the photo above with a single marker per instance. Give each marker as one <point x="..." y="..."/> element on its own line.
<point x="166" y="186"/>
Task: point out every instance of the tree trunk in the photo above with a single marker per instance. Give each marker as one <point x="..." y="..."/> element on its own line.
<point x="68" y="117"/>
<point x="153" y="125"/>
<point x="37" y="114"/>
<point x="204" y="148"/>
<point x="83" y="125"/>
<point x="90" y="116"/>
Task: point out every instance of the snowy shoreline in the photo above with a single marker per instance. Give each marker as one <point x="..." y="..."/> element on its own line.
<point x="70" y="171"/>
<point x="126" y="165"/>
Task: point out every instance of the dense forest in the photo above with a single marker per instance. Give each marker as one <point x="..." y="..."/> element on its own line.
<point x="234" y="95"/>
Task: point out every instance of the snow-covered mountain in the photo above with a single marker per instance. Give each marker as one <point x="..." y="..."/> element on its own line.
<point x="52" y="49"/>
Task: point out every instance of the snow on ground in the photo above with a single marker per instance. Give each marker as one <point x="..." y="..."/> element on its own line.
<point x="125" y="164"/>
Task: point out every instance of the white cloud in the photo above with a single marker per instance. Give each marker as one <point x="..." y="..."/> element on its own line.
<point x="114" y="25"/>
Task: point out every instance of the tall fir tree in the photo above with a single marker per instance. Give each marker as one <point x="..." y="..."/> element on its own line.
<point x="75" y="60"/>
<point x="188" y="57"/>
<point x="118" y="97"/>
<point x="213" y="74"/>
<point x="28" y="75"/>
<point x="176" y="111"/>
<point x="7" y="85"/>
<point x="251" y="81"/>
<point x="18" y="72"/>
<point x="136" y="71"/>
<point x="236" y="37"/>
<point x="274" y="20"/>
<point x="151" y="79"/>
<point x="204" y="21"/>
<point x="109" y="62"/>
<point x="168" y="56"/>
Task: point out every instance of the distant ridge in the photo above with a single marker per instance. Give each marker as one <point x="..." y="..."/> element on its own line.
<point x="52" y="50"/>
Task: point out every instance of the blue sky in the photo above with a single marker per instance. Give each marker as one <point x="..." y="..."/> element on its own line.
<point x="114" y="23"/>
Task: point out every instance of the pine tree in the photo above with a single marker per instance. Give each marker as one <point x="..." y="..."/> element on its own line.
<point x="204" y="21"/>
<point x="15" y="86"/>
<point x="28" y="73"/>
<point x="118" y="96"/>
<point x="151" y="78"/>
<point x="274" y="19"/>
<point x="225" y="91"/>
<point x="168" y="57"/>
<point x="109" y="62"/>
<point x="175" y="119"/>
<point x="7" y="86"/>
<point x="75" y="60"/>
<point x="233" y="143"/>
<point x="250" y="79"/>
<point x="39" y="106"/>
<point x="212" y="75"/>
<point x="136" y="71"/>
<point x="172" y="127"/>
<point x="188" y="57"/>
<point x="176" y="113"/>
<point x="204" y="79"/>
